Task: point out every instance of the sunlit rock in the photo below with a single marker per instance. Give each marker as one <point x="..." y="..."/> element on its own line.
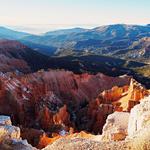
<point x="5" y="120"/>
<point x="139" y="117"/>
<point x="115" y="128"/>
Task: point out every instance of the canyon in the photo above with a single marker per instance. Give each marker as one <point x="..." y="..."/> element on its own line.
<point x="48" y="105"/>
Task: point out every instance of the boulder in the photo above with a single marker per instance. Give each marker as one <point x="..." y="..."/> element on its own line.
<point x="9" y="132"/>
<point x="115" y="127"/>
<point x="139" y="117"/>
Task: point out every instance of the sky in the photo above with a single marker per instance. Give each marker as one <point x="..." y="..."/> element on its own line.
<point x="41" y="15"/>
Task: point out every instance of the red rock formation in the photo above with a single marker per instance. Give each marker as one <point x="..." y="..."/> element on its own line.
<point x="93" y="116"/>
<point x="57" y="100"/>
<point x="10" y="62"/>
<point x="51" y="89"/>
<point x="54" y="121"/>
<point x="124" y="98"/>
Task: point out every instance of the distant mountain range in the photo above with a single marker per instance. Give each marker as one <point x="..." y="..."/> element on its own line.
<point x="119" y="40"/>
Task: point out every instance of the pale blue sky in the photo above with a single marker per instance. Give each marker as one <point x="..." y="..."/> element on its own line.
<point x="28" y="14"/>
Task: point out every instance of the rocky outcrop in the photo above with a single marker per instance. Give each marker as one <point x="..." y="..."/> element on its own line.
<point x="139" y="117"/>
<point x="124" y="98"/>
<point x="7" y="131"/>
<point x="139" y="125"/>
<point x="10" y="136"/>
<point x="134" y="126"/>
<point x="136" y="92"/>
<point x="5" y="120"/>
<point x="115" y="128"/>
<point x="121" y="124"/>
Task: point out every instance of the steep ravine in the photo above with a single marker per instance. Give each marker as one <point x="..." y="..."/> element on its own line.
<point x="47" y="105"/>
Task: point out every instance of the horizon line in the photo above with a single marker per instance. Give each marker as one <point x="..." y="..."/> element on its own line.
<point x="35" y="28"/>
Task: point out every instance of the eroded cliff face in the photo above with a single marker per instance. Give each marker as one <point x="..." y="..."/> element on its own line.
<point x="60" y="102"/>
<point x="116" y="99"/>
<point x="124" y="98"/>
<point x="47" y="92"/>
<point x="57" y="100"/>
